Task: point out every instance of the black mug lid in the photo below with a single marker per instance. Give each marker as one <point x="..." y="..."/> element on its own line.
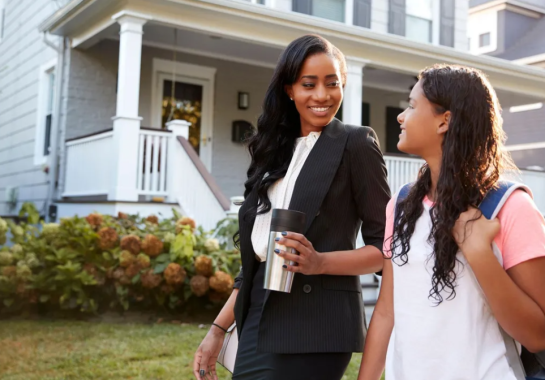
<point x="288" y="220"/>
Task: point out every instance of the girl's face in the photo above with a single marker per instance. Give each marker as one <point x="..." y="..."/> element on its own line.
<point x="318" y="92"/>
<point x="422" y="128"/>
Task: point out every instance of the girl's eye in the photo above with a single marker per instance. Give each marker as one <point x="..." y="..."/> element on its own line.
<point x="334" y="84"/>
<point x="308" y="85"/>
<point x="410" y="107"/>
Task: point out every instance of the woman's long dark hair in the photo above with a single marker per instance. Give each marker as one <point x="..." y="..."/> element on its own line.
<point x="473" y="159"/>
<point x="271" y="147"/>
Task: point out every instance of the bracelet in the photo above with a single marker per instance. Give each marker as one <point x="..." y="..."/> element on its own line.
<point x="219" y="327"/>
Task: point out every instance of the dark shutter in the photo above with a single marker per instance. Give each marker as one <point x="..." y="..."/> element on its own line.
<point x="446" y="29"/>
<point x="302" y="6"/>
<point x="396" y="17"/>
<point x="365" y="114"/>
<point x="2" y="22"/>
<point x="47" y="137"/>
<point x="362" y="13"/>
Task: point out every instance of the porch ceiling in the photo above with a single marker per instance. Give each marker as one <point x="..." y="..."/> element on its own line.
<point x="87" y="21"/>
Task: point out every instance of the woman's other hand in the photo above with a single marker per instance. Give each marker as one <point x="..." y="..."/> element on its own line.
<point x="204" y="362"/>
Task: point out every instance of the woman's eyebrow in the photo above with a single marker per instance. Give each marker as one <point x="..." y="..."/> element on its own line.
<point x="316" y="76"/>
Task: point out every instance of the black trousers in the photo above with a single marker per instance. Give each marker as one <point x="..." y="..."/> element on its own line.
<point x="253" y="365"/>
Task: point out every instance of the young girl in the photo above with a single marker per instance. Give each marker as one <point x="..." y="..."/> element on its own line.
<point x="442" y="285"/>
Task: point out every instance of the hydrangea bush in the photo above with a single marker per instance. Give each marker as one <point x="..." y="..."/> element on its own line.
<point x="101" y="262"/>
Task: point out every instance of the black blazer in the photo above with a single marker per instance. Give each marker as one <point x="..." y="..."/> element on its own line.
<point x="342" y="184"/>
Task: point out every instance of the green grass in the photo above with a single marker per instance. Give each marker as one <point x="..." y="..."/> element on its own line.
<point x="32" y="350"/>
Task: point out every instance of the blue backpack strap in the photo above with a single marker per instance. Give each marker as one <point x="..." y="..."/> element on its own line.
<point x="403" y="193"/>
<point x="496" y="198"/>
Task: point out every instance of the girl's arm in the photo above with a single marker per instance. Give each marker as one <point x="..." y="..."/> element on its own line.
<point x="380" y="329"/>
<point x="516" y="296"/>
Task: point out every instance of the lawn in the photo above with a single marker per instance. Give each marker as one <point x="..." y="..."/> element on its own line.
<point x="46" y="350"/>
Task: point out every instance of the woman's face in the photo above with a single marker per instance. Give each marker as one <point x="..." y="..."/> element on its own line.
<point x="422" y="128"/>
<point x="318" y="92"/>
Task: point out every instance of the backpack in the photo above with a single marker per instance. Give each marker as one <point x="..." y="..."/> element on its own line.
<point x="522" y="362"/>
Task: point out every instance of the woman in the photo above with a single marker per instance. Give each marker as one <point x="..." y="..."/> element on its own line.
<point x="444" y="287"/>
<point x="304" y="158"/>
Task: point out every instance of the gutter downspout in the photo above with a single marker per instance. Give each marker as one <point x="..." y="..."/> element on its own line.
<point x="54" y="147"/>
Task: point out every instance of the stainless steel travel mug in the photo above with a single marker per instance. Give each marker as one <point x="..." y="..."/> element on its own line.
<point x="276" y="277"/>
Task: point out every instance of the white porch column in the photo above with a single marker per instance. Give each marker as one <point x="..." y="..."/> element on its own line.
<point x="127" y="121"/>
<point x="175" y="174"/>
<point x="353" y="91"/>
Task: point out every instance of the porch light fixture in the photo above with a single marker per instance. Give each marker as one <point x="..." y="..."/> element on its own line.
<point x="243" y="100"/>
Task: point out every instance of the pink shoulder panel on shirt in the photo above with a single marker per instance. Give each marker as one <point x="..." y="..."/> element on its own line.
<point x="522" y="233"/>
<point x="389" y="230"/>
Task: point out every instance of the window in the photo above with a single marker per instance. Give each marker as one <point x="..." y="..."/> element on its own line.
<point x="418" y="29"/>
<point x="412" y="19"/>
<point x="328" y="9"/>
<point x="484" y="39"/>
<point x="418" y="22"/>
<point x="46" y="105"/>
<point x="2" y="18"/>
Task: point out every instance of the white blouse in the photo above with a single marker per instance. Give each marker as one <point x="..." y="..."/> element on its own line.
<point x="280" y="193"/>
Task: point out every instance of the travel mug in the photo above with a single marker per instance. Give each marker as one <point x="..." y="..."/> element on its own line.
<point x="276" y="277"/>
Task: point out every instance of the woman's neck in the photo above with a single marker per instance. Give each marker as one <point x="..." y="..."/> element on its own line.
<point x="306" y="128"/>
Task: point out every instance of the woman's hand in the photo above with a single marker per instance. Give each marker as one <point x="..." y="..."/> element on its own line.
<point x="204" y="363"/>
<point x="474" y="233"/>
<point x="308" y="261"/>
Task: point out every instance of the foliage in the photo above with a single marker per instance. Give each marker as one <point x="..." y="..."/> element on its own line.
<point x="101" y="262"/>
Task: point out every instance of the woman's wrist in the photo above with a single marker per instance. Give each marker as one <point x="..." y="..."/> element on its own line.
<point x="322" y="263"/>
<point x="216" y="329"/>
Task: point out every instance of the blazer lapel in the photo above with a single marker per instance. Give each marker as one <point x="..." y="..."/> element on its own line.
<point x="318" y="171"/>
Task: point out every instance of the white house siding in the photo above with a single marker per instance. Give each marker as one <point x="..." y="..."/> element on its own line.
<point x="22" y="52"/>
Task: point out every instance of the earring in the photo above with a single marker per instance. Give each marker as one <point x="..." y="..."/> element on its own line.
<point x="291" y="99"/>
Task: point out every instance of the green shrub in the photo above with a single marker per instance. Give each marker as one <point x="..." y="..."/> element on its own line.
<point x="100" y="262"/>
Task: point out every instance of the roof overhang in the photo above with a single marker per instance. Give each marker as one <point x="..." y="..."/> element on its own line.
<point x="85" y="21"/>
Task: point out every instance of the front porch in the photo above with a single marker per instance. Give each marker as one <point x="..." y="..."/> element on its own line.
<point x="137" y="66"/>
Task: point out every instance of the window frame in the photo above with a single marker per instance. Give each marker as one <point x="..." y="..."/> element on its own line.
<point x="2" y="20"/>
<point x="433" y="21"/>
<point x="44" y="102"/>
<point x="481" y="46"/>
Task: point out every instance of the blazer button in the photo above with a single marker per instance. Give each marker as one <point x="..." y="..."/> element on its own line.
<point x="307" y="288"/>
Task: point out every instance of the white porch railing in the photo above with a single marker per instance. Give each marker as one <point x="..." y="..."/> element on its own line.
<point x="167" y="166"/>
<point x="401" y="170"/>
<point x="191" y="185"/>
<point x="152" y="162"/>
<point x="87" y="165"/>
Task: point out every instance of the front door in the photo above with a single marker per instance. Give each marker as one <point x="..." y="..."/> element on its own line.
<point x="191" y="102"/>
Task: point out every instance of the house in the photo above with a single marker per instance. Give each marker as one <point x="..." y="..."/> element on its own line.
<point x="140" y="105"/>
<point x="514" y="30"/>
